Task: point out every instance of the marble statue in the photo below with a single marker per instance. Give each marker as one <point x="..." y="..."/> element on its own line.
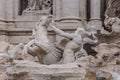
<point x="34" y="5"/>
<point x="49" y="53"/>
<point x="41" y="46"/>
<point x="77" y="40"/>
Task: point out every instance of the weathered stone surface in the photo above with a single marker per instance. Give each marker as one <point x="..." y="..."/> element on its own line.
<point x="37" y="71"/>
<point x="3" y="58"/>
<point x="47" y="72"/>
<point x="86" y="61"/>
<point x="3" y="76"/>
<point x="26" y="70"/>
<point x="4" y="47"/>
<point x="107" y="53"/>
<point x="112" y="20"/>
<point x="114" y="70"/>
<point x="3" y="67"/>
<point x="90" y="76"/>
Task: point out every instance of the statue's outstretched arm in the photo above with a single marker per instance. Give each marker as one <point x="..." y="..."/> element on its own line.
<point x="62" y="33"/>
<point x="92" y="41"/>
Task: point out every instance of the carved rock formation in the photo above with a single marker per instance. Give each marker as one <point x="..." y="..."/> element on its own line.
<point x="112" y="15"/>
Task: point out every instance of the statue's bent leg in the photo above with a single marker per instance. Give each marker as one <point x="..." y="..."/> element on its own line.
<point x="29" y="48"/>
<point x="69" y="52"/>
<point x="68" y="56"/>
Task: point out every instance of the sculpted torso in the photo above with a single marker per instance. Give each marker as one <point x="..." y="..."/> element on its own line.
<point x="77" y="39"/>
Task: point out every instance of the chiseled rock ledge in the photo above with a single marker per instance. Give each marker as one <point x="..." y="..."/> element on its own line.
<point x="27" y="70"/>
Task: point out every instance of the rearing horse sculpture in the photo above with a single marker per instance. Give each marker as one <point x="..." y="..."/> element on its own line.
<point x="41" y="46"/>
<point x="46" y="51"/>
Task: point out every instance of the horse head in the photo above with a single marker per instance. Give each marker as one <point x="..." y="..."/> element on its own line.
<point x="45" y="21"/>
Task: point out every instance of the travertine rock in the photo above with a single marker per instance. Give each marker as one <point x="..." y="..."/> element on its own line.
<point x="90" y="76"/>
<point x="98" y="75"/>
<point x="3" y="58"/>
<point x="4" y="47"/>
<point x="3" y="76"/>
<point x="112" y="15"/>
<point x="107" y="53"/>
<point x="114" y="70"/>
<point x="26" y="70"/>
<point x="35" y="71"/>
<point x="112" y="24"/>
<point x="86" y="61"/>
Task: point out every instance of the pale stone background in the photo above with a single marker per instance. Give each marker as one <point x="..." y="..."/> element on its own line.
<point x="15" y="28"/>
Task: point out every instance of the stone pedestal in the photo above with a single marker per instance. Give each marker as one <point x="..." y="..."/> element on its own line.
<point x="26" y="70"/>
